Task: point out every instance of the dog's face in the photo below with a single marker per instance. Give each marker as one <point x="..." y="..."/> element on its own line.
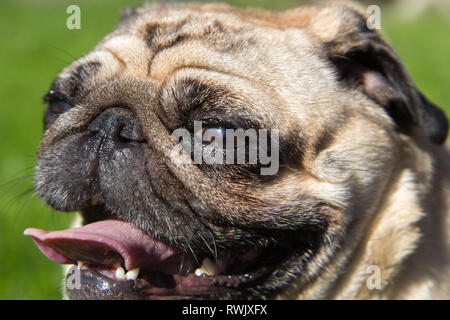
<point x="330" y="90"/>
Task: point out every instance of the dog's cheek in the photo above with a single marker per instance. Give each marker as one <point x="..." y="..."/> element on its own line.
<point x="353" y="171"/>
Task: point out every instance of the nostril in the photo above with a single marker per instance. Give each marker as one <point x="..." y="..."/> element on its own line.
<point x="117" y="124"/>
<point x="94" y="126"/>
<point x="132" y="132"/>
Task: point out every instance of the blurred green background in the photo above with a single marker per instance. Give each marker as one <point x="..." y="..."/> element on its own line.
<point x="36" y="45"/>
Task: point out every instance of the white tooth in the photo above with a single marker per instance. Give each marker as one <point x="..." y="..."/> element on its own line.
<point x="120" y="274"/>
<point x="132" y="274"/>
<point x="209" y="267"/>
<point x="198" y="272"/>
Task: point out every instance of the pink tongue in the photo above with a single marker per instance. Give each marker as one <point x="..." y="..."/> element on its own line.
<point x="109" y="243"/>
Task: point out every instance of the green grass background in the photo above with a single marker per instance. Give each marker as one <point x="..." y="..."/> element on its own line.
<point x="35" y="45"/>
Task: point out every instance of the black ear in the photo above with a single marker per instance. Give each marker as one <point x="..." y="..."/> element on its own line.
<point x="365" y="61"/>
<point x="434" y="119"/>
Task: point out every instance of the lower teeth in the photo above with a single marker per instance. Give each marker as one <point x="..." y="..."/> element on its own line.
<point x="120" y="274"/>
<point x="130" y="275"/>
<point x="208" y="267"/>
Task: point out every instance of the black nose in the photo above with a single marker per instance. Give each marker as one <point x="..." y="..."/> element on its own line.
<point x="117" y="124"/>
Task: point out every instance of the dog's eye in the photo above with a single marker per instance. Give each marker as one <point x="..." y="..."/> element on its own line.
<point x="220" y="136"/>
<point x="210" y="135"/>
<point x="59" y="107"/>
<point x="57" y="103"/>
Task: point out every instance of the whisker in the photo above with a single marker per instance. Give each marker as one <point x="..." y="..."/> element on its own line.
<point x="16" y="180"/>
<point x="207" y="245"/>
<point x="63" y="51"/>
<point x="192" y="251"/>
<point x="11" y="186"/>
<point x="182" y="263"/>
<point x="27" y="200"/>
<point x="215" y="248"/>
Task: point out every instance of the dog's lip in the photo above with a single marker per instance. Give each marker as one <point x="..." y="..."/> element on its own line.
<point x="97" y="285"/>
<point x="111" y="243"/>
<point x="106" y="245"/>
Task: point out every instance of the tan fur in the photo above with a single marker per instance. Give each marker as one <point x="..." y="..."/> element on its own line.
<point x="389" y="191"/>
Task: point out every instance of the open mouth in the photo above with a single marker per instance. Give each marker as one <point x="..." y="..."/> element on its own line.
<point x="115" y="255"/>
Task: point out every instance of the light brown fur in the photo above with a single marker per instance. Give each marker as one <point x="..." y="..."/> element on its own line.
<point x="387" y="189"/>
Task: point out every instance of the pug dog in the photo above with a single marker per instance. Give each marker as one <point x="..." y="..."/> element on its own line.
<point x="357" y="206"/>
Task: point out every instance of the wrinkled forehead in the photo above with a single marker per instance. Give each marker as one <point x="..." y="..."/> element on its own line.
<point x="159" y="41"/>
<point x="283" y="66"/>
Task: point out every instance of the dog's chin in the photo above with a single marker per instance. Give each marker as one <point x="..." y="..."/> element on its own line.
<point x="117" y="260"/>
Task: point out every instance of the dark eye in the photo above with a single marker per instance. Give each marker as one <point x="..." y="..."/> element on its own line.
<point x="210" y="135"/>
<point x="219" y="135"/>
<point x="59" y="106"/>
<point x="56" y="102"/>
